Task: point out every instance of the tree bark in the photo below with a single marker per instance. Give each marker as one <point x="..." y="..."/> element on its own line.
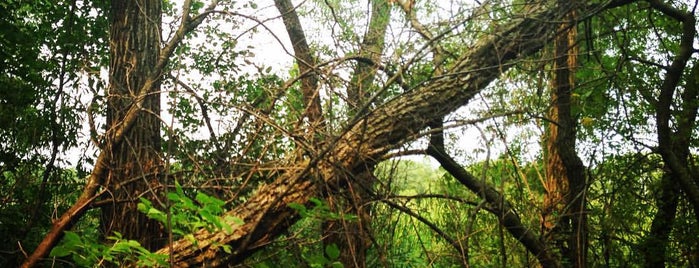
<point x="654" y="247"/>
<point x="362" y="81"/>
<point x="306" y="64"/>
<point x="564" y="216"/>
<point x="134" y="39"/>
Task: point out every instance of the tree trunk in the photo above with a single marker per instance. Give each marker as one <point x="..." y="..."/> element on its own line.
<point x="115" y="135"/>
<point x="362" y="82"/>
<point x="134" y="166"/>
<point x="563" y="216"/>
<point x="664" y="106"/>
<point x="655" y="245"/>
<point x="656" y="241"/>
<point x="306" y="64"/>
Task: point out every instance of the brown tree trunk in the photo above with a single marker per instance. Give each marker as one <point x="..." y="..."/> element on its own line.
<point x="563" y="217"/>
<point x="306" y="64"/>
<point x="134" y="164"/>
<point x="655" y="245"/>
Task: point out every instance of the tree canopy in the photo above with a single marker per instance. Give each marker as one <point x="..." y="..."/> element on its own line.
<point x="386" y="133"/>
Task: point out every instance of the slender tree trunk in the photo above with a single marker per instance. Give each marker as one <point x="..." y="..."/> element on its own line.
<point x="134" y="164"/>
<point x="655" y="245"/>
<point x="564" y="216"/>
<point x="667" y="138"/>
<point x="362" y="81"/>
<point x="306" y="64"/>
<point x="656" y="241"/>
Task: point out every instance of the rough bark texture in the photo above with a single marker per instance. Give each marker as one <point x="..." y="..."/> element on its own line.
<point x="135" y="163"/>
<point x="362" y="81"/>
<point x="384" y="128"/>
<point x="266" y="214"/>
<point x="563" y="216"/>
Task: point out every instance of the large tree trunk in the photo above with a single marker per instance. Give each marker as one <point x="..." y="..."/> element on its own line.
<point x="563" y="216"/>
<point x="134" y="40"/>
<point x="266" y="213"/>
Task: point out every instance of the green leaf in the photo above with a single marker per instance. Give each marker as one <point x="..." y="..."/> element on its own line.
<point x="301" y="209"/>
<point x="157" y="215"/>
<point x="210" y="218"/>
<point x="332" y="251"/>
<point x="72" y="238"/>
<point x="197" y="5"/>
<point x="227" y="249"/>
<point x="227" y="228"/>
<point x="191" y="238"/>
<point x="61" y="251"/>
<point x="174" y="197"/>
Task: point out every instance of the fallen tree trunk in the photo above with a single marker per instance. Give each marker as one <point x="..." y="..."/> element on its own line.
<point x="267" y="214"/>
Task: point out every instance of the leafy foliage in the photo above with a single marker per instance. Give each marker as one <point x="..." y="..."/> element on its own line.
<point x="187" y="215"/>
<point x="91" y="253"/>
